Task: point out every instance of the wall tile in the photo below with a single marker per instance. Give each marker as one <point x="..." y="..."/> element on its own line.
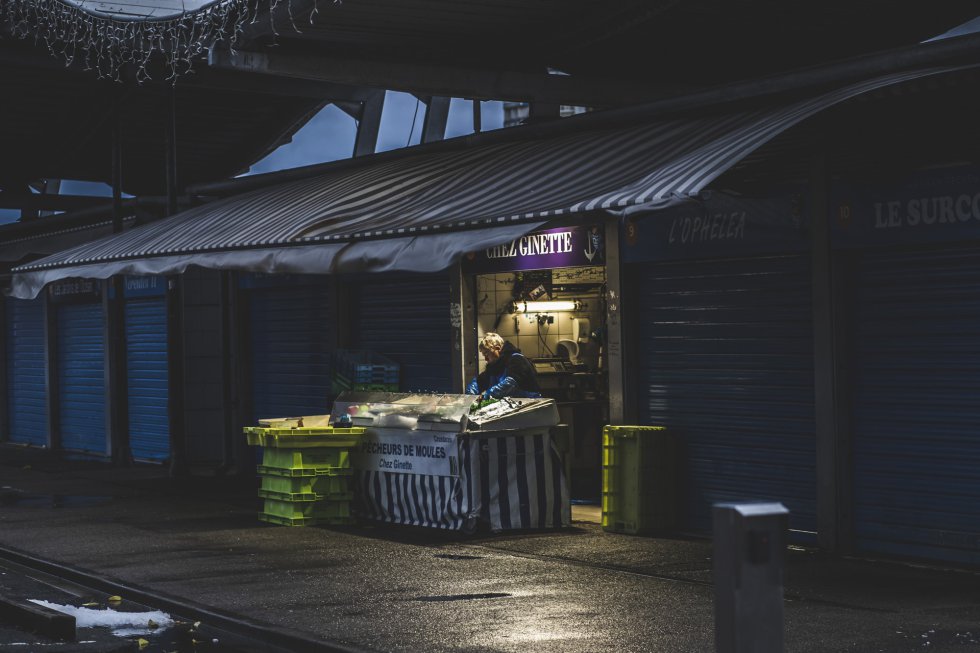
<point x="528" y="345"/>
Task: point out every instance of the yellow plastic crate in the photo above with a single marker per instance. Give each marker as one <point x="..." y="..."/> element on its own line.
<point x="306" y="521"/>
<point x="306" y="509"/>
<point x="639" y="479"/>
<point x="287" y="521"/>
<point x="306" y="488"/>
<point x="253" y="435"/>
<point x="304" y="462"/>
<point x="303" y="437"/>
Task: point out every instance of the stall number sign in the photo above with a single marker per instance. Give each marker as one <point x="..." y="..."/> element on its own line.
<point x="403" y="451"/>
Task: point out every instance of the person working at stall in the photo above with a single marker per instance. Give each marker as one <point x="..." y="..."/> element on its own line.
<point x="508" y="372"/>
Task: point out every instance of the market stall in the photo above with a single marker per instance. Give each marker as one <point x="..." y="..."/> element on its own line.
<point x="438" y="460"/>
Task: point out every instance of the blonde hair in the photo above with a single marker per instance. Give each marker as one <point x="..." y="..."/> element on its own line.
<point x="491" y="342"/>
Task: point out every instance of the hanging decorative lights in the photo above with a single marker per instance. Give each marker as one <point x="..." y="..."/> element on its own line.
<point x="108" y="43"/>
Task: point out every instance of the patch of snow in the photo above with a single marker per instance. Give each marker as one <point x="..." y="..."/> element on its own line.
<point x="122" y="623"/>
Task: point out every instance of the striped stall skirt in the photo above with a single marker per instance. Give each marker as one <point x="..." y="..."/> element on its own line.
<point x="507" y="481"/>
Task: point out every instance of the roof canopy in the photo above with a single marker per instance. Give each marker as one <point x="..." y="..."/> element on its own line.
<point x="421" y="212"/>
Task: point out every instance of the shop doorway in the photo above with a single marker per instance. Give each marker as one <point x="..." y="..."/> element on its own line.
<point x="556" y="318"/>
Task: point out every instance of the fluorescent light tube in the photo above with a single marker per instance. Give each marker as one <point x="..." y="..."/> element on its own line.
<point x="545" y="307"/>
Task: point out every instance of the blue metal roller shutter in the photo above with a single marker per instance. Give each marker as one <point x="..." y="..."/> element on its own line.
<point x="726" y="363"/>
<point x="147" y="375"/>
<point x="291" y="345"/>
<point x="405" y="317"/>
<point x="916" y="404"/>
<point x="27" y="391"/>
<point x="81" y="378"/>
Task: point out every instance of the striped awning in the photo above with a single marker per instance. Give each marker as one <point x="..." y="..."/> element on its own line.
<point x="421" y="212"/>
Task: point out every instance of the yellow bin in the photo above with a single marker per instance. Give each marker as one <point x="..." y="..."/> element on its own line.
<point x="639" y="479"/>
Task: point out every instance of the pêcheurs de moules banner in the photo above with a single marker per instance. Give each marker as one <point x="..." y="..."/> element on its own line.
<point x="404" y="451"/>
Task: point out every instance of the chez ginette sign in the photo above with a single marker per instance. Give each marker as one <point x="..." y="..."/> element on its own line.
<point x="562" y="247"/>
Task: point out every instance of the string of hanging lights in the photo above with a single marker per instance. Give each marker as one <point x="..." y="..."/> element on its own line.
<point x="109" y="43"/>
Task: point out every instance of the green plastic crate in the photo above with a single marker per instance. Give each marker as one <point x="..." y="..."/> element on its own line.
<point x="254" y="435"/>
<point x="306" y="488"/>
<point x="302" y="437"/>
<point x="306" y="521"/>
<point x="315" y="461"/>
<point x="639" y="479"/>
<point x="300" y="485"/>
<point x="265" y="470"/>
<point x="287" y="521"/>
<point x="306" y="509"/>
<point x="294" y="497"/>
<point x="333" y="488"/>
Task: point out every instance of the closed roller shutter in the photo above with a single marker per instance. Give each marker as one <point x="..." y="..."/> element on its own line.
<point x="405" y="317"/>
<point x="916" y="399"/>
<point x="27" y="390"/>
<point x="147" y="375"/>
<point x="81" y="378"/>
<point x="726" y="364"/>
<point x="290" y="344"/>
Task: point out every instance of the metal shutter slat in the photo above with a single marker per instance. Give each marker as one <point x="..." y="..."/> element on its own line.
<point x="726" y="363"/>
<point x="81" y="373"/>
<point x="147" y="374"/>
<point x="27" y="392"/>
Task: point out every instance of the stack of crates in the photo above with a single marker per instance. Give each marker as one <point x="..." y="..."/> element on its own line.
<point x="305" y="474"/>
<point x="639" y="479"/>
<point x="355" y="369"/>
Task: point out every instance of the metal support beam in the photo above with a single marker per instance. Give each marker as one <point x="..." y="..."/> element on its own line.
<point x="369" y="124"/>
<point x="235" y="81"/>
<point x="27" y="212"/>
<point x="114" y="305"/>
<point x="51" y="187"/>
<point x="117" y="143"/>
<point x="477" y="116"/>
<point x="175" y="377"/>
<point x="430" y="79"/>
<point x="51" y="375"/>
<point x="170" y="156"/>
<point x="118" y="385"/>
<point x="436" y="117"/>
<point x="4" y="397"/>
<point x="468" y="329"/>
<point x="459" y="299"/>
<point x="825" y="361"/>
<point x="616" y="367"/>
<point x="352" y="109"/>
<point x="45" y="203"/>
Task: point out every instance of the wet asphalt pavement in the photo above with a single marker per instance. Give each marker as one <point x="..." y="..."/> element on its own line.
<point x="403" y="589"/>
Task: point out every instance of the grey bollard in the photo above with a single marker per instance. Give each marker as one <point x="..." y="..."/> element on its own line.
<point x="749" y="548"/>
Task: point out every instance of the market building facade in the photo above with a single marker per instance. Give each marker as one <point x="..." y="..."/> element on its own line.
<point x="810" y="342"/>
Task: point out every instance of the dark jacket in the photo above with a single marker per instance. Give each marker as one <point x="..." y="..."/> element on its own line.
<point x="511" y="375"/>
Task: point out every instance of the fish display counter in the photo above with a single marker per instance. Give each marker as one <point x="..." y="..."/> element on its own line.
<point x="448" y="461"/>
